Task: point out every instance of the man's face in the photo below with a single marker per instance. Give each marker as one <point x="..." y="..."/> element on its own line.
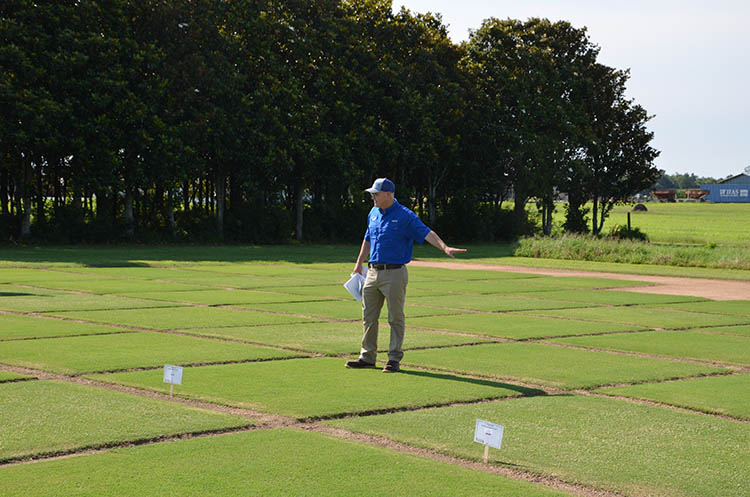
<point x="382" y="200"/>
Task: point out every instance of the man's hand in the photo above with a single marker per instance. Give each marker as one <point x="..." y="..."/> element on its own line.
<point x="449" y="251"/>
<point x="358" y="268"/>
<point x="433" y="239"/>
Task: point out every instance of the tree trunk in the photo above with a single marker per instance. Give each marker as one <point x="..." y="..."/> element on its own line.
<point x="299" y="202"/>
<point x="129" y="219"/>
<point x="170" y="214"/>
<point x="26" y="200"/>
<point x="221" y="185"/>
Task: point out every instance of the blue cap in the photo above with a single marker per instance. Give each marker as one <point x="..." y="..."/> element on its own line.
<point x="382" y="185"/>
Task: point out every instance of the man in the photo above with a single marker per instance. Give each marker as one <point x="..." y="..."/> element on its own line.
<point x="391" y="232"/>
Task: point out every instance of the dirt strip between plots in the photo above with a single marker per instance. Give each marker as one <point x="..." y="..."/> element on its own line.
<point x="667" y="285"/>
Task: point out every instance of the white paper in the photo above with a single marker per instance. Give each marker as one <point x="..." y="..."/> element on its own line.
<point x="354" y="285"/>
<point x="488" y="433"/>
<point x="172" y="374"/>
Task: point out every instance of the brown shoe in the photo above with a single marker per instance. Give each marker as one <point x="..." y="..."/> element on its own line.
<point x="359" y="364"/>
<point x="392" y="367"/>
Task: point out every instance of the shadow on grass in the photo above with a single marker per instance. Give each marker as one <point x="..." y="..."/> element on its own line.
<point x="525" y="391"/>
<point x="17" y="294"/>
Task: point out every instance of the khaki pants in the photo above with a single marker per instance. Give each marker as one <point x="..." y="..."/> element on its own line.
<point x="387" y="285"/>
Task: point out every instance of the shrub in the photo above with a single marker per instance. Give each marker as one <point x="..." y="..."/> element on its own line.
<point x="622" y="232"/>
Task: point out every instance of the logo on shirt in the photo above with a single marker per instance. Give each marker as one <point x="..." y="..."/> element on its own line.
<point x="373" y="218"/>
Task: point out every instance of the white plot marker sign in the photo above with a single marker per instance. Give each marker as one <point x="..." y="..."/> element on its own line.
<point x="173" y="376"/>
<point x="488" y="434"/>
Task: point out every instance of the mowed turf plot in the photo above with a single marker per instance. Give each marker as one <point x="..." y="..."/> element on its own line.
<point x="47" y="417"/>
<point x="229" y="297"/>
<point x="7" y="376"/>
<point x="182" y="317"/>
<point x="340" y="309"/>
<point x="633" y="449"/>
<point x="516" y="326"/>
<point x="306" y="388"/>
<point x="613" y="297"/>
<point x="72" y="355"/>
<point x="685" y="344"/>
<point x="726" y="395"/>
<point x="330" y="338"/>
<point x="647" y="316"/>
<point x="35" y="300"/>
<point x="735" y="307"/>
<point x="553" y="366"/>
<point x="538" y="284"/>
<point x="17" y="326"/>
<point x="120" y="286"/>
<point x="273" y="463"/>
<point x="494" y="303"/>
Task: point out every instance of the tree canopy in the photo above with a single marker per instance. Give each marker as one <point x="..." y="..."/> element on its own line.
<point x="264" y="120"/>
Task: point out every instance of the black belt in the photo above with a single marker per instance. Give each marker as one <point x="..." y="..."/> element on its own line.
<point x="380" y="267"/>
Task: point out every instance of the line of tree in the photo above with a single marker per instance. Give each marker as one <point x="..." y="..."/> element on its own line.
<point x="683" y="181"/>
<point x="263" y="120"/>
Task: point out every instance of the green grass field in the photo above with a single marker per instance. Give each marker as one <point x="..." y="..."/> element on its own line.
<point x="601" y="391"/>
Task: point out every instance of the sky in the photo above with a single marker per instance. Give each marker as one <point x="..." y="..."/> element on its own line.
<point x="689" y="64"/>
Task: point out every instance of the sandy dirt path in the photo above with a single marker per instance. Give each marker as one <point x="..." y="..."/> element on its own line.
<point x="669" y="285"/>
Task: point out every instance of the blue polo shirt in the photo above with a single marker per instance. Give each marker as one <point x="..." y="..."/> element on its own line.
<point x="392" y="234"/>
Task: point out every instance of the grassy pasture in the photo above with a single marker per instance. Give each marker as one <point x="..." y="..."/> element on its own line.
<point x="633" y="449"/>
<point x="75" y="355"/>
<point x="467" y="354"/>
<point x="716" y="394"/>
<point x="48" y="417"/>
<point x="274" y="463"/>
<point x="686" y="222"/>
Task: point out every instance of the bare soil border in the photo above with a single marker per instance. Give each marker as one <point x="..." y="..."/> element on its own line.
<point x="666" y="285"/>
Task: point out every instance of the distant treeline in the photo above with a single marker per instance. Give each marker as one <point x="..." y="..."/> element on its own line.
<point x="263" y="120"/>
<point x="683" y="181"/>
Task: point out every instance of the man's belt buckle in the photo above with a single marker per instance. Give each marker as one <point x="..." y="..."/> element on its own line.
<point x="381" y="267"/>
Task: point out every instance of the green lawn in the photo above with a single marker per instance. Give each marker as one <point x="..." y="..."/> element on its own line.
<point x="516" y="326"/>
<point x="305" y="388"/>
<point x="495" y="303"/>
<point x="250" y="325"/>
<point x="48" y="417"/>
<point x="7" y="376"/>
<point x="182" y="317"/>
<point x="271" y="463"/>
<point x="21" y="299"/>
<point x="726" y="395"/>
<point x="15" y="327"/>
<point x="329" y="338"/>
<point x="73" y="355"/>
<point x="552" y="366"/>
<point x="606" y="443"/>
<point x="734" y="307"/>
<point x="685" y="344"/>
<point x="615" y="297"/>
<point x="648" y="316"/>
